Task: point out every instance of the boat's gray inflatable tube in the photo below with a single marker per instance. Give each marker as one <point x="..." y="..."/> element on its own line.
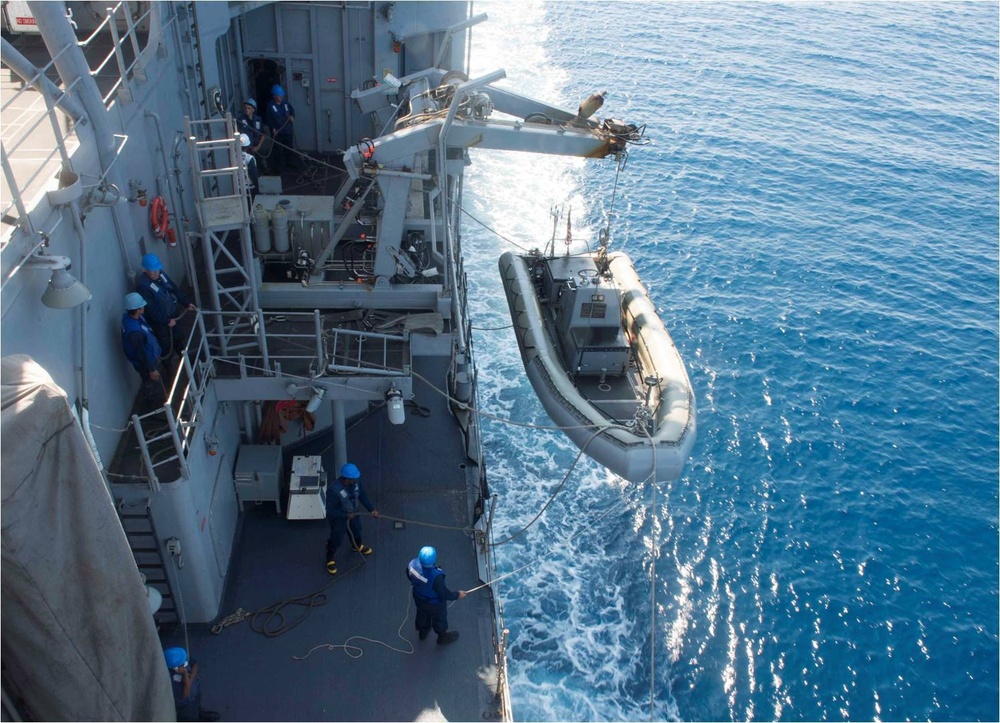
<point x="625" y="453"/>
<point x="78" y="639"/>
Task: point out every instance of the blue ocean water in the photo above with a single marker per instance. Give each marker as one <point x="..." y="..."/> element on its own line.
<point x="816" y="218"/>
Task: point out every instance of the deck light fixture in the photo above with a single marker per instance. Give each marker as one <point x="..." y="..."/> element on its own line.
<point x="394" y="403"/>
<point x="64" y="290"/>
<point x="316" y="399"/>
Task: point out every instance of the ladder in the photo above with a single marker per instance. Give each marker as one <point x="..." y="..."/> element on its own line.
<point x="220" y="183"/>
<point x="142" y="540"/>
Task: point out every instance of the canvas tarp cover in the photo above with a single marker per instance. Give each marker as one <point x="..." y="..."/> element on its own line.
<point x="77" y="640"/>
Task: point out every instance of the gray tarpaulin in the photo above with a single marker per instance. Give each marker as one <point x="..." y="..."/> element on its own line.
<point x="78" y="641"/>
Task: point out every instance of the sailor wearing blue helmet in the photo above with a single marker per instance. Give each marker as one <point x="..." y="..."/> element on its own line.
<point x="186" y="686"/>
<point x="342" y="509"/>
<point x="431" y="596"/>
<point x="165" y="304"/>
<point x="281" y="120"/>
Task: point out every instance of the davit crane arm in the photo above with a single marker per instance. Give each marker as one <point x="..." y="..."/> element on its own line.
<point x="449" y="114"/>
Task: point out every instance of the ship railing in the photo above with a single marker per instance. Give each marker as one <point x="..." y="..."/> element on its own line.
<point x="255" y="343"/>
<point x="501" y="701"/>
<point x="24" y="173"/>
<point x="130" y="68"/>
<point x="22" y="167"/>
<point x="165" y="434"/>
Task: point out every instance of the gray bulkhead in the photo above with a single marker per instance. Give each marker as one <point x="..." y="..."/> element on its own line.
<point x="195" y="60"/>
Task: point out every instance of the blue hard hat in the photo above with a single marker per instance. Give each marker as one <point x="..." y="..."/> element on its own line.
<point x="151" y="262"/>
<point x="134" y="301"/>
<point x="278" y="90"/>
<point x="350" y="471"/>
<point x="175" y="657"/>
<point x="250" y="101"/>
<point x="428" y="556"/>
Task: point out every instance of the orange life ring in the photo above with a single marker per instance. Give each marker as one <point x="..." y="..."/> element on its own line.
<point x="159" y="220"/>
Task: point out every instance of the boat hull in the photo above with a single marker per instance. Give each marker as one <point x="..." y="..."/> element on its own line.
<point x="661" y="451"/>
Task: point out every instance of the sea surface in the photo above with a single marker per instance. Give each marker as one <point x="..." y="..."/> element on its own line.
<point x="816" y="219"/>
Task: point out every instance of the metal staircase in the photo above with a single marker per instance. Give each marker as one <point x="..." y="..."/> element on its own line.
<point x="141" y="535"/>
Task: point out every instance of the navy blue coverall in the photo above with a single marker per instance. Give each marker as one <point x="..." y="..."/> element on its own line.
<point x="343" y="503"/>
<point x="164" y="301"/>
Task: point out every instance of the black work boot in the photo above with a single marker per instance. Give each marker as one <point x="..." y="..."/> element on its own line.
<point x="449" y="637"/>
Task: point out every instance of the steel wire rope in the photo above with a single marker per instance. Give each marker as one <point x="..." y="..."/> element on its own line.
<point x="554" y="492"/>
<point x="495" y="232"/>
<point x="491" y="328"/>
<point x="180" y="599"/>
<point x="605" y="513"/>
<point x="622" y="160"/>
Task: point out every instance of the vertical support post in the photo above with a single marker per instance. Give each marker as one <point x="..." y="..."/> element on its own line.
<point x="195" y="390"/>
<point x="339" y="435"/>
<point x="262" y="341"/>
<point x="154" y="482"/>
<point x="178" y="445"/>
<point x="131" y="31"/>
<point x="247" y="423"/>
<point x="124" y="93"/>
<point x="320" y="361"/>
<point x="24" y="220"/>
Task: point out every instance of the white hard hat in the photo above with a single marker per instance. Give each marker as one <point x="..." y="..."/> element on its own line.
<point x="244" y="140"/>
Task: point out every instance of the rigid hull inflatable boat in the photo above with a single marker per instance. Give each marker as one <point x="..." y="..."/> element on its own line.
<point x="601" y="361"/>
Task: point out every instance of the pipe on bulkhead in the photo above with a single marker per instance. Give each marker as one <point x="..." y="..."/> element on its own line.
<point x="74" y="210"/>
<point x="339" y="436"/>
<point x="178" y="209"/>
<point x="29" y="73"/>
<point x="247" y="423"/>
<point x="74" y="70"/>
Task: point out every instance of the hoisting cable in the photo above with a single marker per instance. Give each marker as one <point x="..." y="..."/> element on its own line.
<point x="622" y="160"/>
<point x="494" y="417"/>
<point x="652" y="582"/>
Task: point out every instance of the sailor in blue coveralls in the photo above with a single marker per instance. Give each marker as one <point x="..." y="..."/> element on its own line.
<point x="141" y="348"/>
<point x="165" y="303"/>
<point x="342" y="508"/>
<point x="186" y="686"/>
<point x="431" y="596"/>
<point x="281" y="120"/>
<point x="250" y="123"/>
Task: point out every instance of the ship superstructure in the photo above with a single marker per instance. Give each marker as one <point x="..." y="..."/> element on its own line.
<point x="331" y="326"/>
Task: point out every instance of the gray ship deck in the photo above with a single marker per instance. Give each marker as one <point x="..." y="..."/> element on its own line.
<point x="417" y="471"/>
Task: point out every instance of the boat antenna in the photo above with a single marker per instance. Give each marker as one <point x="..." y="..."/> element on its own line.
<point x="555" y="212"/>
<point x="569" y="229"/>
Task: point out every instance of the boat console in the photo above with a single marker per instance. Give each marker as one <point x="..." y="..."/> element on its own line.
<point x="586" y="310"/>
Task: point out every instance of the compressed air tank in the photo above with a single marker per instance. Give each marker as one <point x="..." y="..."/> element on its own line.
<point x="279" y="225"/>
<point x="261" y="230"/>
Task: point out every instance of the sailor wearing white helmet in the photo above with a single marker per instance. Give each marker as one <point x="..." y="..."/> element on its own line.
<point x="142" y="349"/>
